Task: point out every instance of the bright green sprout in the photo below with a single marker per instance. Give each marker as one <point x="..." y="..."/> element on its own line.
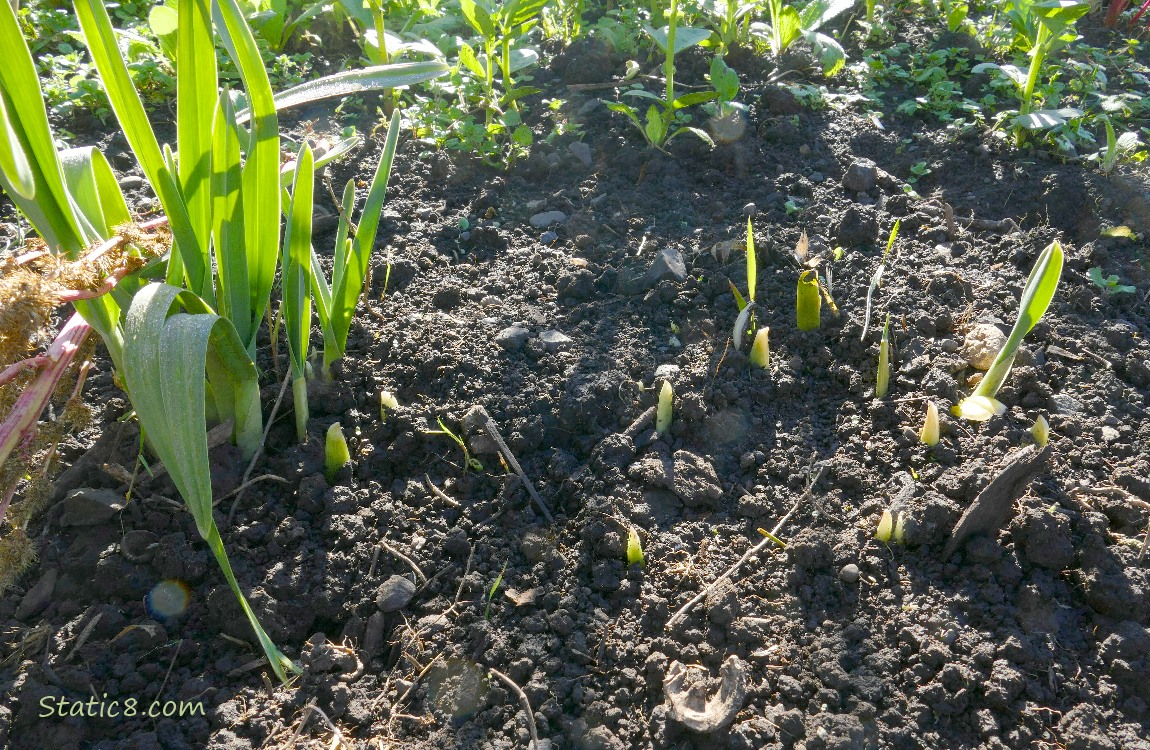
<point x="808" y="300"/>
<point x="929" y="434"/>
<point x="491" y="592"/>
<point x="663" y="410"/>
<point x="335" y="452"/>
<point x="1041" y="431"/>
<point x="634" y="548"/>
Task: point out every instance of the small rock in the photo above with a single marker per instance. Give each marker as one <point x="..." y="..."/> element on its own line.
<point x="90" y="507"/>
<point x="750" y="209"/>
<point x="666" y="372"/>
<point x="849" y="574"/>
<point x="131" y="182"/>
<point x="1064" y="404"/>
<point x="38" y="596"/>
<point x="553" y="340"/>
<point x="1109" y="434"/>
<point x="394" y="594"/>
<point x="536" y="546"/>
<point x="547" y="218"/>
<point x="548" y="237"/>
<point x="582" y="152"/>
<point x="512" y="338"/>
<point x="861" y="176"/>
<point x="668" y="264"/>
<point x="373" y="637"/>
<point x="982" y="344"/>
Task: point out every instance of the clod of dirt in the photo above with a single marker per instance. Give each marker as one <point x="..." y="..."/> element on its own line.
<point x="688" y="704"/>
<point x="694" y="480"/>
<point x="554" y="340"/>
<point x="861" y="176"/>
<point x="982" y="344"/>
<point x="547" y="218"/>
<point x="1044" y="538"/>
<point x="38" y="596"/>
<point x="394" y="594"/>
<point x="90" y="507"/>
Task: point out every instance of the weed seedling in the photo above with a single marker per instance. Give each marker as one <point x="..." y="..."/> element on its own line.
<point x="1109" y="284"/>
<point x="491" y="591"/>
<point x="470" y="461"/>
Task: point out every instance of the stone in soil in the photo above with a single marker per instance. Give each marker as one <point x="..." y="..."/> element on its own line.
<point x="547" y="218"/>
<point x="394" y="594"/>
<point x="982" y="344"/>
<point x="861" y="176"/>
<point x="554" y="340"/>
<point x="512" y="338"/>
<point x="694" y="480"/>
<point x="90" y="507"/>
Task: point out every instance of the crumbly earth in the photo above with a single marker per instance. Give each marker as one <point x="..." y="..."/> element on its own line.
<point x="1035" y="638"/>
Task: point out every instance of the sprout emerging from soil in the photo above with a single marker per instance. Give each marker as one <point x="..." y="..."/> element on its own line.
<point x="761" y="349"/>
<point x="882" y="379"/>
<point x="885" y="527"/>
<point x="386" y="401"/>
<point x="663" y="412"/>
<point x="635" y="548"/>
<point x="929" y="432"/>
<point x="335" y="454"/>
<point x="808" y="301"/>
<point x="1036" y="296"/>
<point x="1041" y="431"/>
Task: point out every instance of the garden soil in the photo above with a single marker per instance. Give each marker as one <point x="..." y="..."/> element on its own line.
<point x="400" y="584"/>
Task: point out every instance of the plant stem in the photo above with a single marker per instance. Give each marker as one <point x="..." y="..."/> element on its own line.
<point x="299" y="398"/>
<point x="669" y="65"/>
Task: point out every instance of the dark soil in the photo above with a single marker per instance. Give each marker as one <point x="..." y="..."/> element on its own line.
<point x="1038" y="638"/>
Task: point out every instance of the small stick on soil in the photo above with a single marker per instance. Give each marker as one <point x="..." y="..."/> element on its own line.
<point x="640" y="423"/>
<point x="84" y="634"/>
<point x="489" y="426"/>
<point x="259" y="450"/>
<point x="309" y="709"/>
<point x="990" y="509"/>
<point x="440" y="493"/>
<point x="730" y="572"/>
<point x="410" y="563"/>
<point x="463" y="578"/>
<point x="249" y="483"/>
<point x="523" y="701"/>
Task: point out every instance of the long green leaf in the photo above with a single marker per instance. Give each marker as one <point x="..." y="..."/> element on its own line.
<point x="14" y="164"/>
<point x="296" y="282"/>
<point x="168" y="358"/>
<point x="260" y="177"/>
<point x="227" y="213"/>
<point x="94" y="188"/>
<point x="49" y="210"/>
<point x="196" y="96"/>
<point x="125" y="101"/>
<point x="350" y="82"/>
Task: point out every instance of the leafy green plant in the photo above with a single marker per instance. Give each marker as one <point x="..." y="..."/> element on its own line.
<point x="1116" y="148"/>
<point x="469" y="461"/>
<point x="297" y="283"/>
<point x="730" y="22"/>
<point x="663" y="120"/>
<point x="183" y="349"/>
<point x="786" y="24"/>
<point x="335" y="304"/>
<point x="498" y="26"/>
<point x="1109" y="284"/>
<point x="1036" y="296"/>
<point x="1042" y="28"/>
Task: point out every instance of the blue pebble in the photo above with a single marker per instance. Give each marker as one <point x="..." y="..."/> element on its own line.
<point x="548" y="237"/>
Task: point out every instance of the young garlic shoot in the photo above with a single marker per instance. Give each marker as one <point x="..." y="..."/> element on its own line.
<point x="808" y="301"/>
<point x="335" y="453"/>
<point x="635" y="548"/>
<point x="882" y="379"/>
<point x="761" y="349"/>
<point x="928" y="435"/>
<point x="386" y="401"/>
<point x="885" y="527"/>
<point x="1041" y="431"/>
<point x="876" y="279"/>
<point x="746" y="306"/>
<point x="981" y="405"/>
<point x="663" y="411"/>
<point x="891" y="526"/>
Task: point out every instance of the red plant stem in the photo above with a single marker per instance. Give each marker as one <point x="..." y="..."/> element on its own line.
<point x="72" y="295"/>
<point x="20" y="425"/>
<point x="11" y="371"/>
<point x="118" y="239"/>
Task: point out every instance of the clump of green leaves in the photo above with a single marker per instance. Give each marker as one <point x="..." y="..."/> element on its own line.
<point x="787" y="23"/>
<point x="665" y="120"/>
<point x="1109" y="284"/>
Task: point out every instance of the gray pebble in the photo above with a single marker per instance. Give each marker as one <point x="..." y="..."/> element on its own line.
<point x="750" y="209"/>
<point x="394" y="594"/>
<point x="849" y="573"/>
<point x="548" y="237"/>
<point x="547" y="218"/>
<point x="131" y="182"/>
<point x="582" y="152"/>
<point x="553" y="340"/>
<point x="90" y="507"/>
<point x="512" y="338"/>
